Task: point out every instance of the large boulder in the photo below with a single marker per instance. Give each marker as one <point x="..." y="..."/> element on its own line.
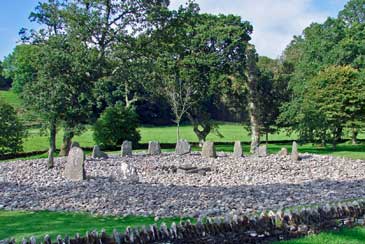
<point x="74" y="168"/>
<point x="126" y="149"/>
<point x="154" y="148"/>
<point x="208" y="150"/>
<point x="129" y="173"/>
<point x="97" y="153"/>
<point x="283" y="152"/>
<point x="182" y="147"/>
<point x="294" y="152"/>
<point x="262" y="151"/>
<point x="237" y="150"/>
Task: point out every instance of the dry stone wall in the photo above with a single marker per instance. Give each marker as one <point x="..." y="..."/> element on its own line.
<point x="263" y="228"/>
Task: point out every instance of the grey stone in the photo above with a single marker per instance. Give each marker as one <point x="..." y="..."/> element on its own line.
<point x="283" y="152"/>
<point x="74" y="168"/>
<point x="154" y="148"/>
<point x="262" y="151"/>
<point x="237" y="150"/>
<point x="126" y="149"/>
<point x="182" y="147"/>
<point x="129" y="173"/>
<point x="97" y="153"/>
<point x="294" y="152"/>
<point x="75" y="144"/>
<point x="50" y="162"/>
<point x="208" y="150"/>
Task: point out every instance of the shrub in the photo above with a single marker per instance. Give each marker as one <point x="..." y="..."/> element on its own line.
<point x="115" y="125"/>
<point x="12" y="130"/>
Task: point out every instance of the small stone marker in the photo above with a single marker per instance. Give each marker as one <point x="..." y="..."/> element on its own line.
<point x="262" y="151"/>
<point x="75" y="144"/>
<point x="182" y="147"/>
<point x="97" y="153"/>
<point x="129" y="173"/>
<point x="154" y="148"/>
<point x="208" y="150"/>
<point x="50" y="162"/>
<point x="237" y="150"/>
<point x="294" y="152"/>
<point x="74" y="168"/>
<point x="126" y="149"/>
<point x="283" y="152"/>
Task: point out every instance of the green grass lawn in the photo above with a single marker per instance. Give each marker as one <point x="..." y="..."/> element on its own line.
<point x="11" y="98"/>
<point x="19" y="224"/>
<point x="344" y="236"/>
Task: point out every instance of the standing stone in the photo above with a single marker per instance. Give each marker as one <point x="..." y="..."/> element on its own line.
<point x="154" y="148"/>
<point x="208" y="150"/>
<point x="283" y="152"/>
<point x="182" y="147"/>
<point x="97" y="153"/>
<point x="74" y="168"/>
<point x="129" y="173"/>
<point x="237" y="150"/>
<point x="262" y="151"/>
<point x="75" y="144"/>
<point x="126" y="149"/>
<point x="294" y="152"/>
<point x="50" y="162"/>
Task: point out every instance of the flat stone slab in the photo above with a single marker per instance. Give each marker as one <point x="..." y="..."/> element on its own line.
<point x="243" y="184"/>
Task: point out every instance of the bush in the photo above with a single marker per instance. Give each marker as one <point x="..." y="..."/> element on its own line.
<point x="115" y="125"/>
<point x="12" y="130"/>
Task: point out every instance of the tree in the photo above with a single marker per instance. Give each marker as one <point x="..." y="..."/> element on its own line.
<point x="338" y="93"/>
<point x="19" y="66"/>
<point x="5" y="83"/>
<point x="116" y="124"/>
<point x="12" y="130"/>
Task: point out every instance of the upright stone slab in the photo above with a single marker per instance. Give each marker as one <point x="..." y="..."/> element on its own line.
<point x="74" y="168"/>
<point x="283" y="152"/>
<point x="154" y="148"/>
<point x="262" y="151"/>
<point x="237" y="150"/>
<point x="97" y="153"/>
<point x="208" y="150"/>
<point x="129" y="173"/>
<point x="126" y="149"/>
<point x="294" y="152"/>
<point x="182" y="147"/>
<point x="50" y="162"/>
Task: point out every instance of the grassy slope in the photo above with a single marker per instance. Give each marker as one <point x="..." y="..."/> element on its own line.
<point x="19" y="224"/>
<point x="344" y="236"/>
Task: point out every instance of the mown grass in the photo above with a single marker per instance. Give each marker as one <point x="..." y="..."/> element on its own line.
<point x="11" y="98"/>
<point x="344" y="236"/>
<point x="20" y="224"/>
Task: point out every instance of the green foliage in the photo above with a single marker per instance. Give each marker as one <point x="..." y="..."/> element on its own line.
<point x="12" y="131"/>
<point x="20" y="66"/>
<point x="115" y="125"/>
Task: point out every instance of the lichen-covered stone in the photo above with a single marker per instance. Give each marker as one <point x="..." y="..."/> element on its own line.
<point x="126" y="149"/>
<point x="237" y="150"/>
<point x="182" y="147"/>
<point x="74" y="168"/>
<point x="208" y="150"/>
<point x="154" y="148"/>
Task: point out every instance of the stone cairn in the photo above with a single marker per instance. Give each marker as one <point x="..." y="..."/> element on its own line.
<point x="126" y="149"/>
<point x="97" y="153"/>
<point x="283" y="152"/>
<point x="74" y="168"/>
<point x="261" y="151"/>
<point x="266" y="227"/>
<point x="154" y="148"/>
<point x="208" y="150"/>
<point x="237" y="150"/>
<point x="182" y="147"/>
<point x="294" y="152"/>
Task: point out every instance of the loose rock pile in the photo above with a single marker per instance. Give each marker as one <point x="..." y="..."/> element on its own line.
<point x="187" y="185"/>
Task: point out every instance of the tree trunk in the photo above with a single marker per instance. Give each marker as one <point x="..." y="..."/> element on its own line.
<point x="267" y="138"/>
<point x="201" y="134"/>
<point x="355" y="132"/>
<point x="252" y="87"/>
<point x="336" y="137"/>
<point x="52" y="136"/>
<point x="66" y="143"/>
<point x="177" y="131"/>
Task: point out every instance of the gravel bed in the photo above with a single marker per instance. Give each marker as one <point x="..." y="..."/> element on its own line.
<point x="213" y="187"/>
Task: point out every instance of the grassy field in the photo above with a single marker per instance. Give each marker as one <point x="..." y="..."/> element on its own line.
<point x="11" y="98"/>
<point x="344" y="236"/>
<point x="19" y="224"/>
